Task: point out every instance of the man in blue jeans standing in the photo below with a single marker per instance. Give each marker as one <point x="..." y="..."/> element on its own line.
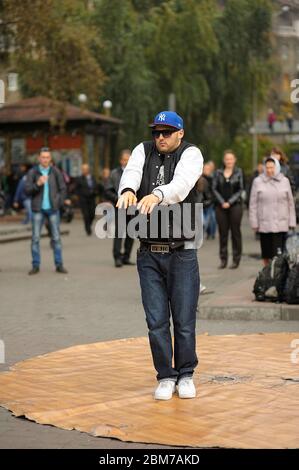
<point x="46" y="186"/>
<point x="165" y="171"/>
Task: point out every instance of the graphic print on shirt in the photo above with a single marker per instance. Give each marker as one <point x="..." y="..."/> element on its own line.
<point x="160" y="178"/>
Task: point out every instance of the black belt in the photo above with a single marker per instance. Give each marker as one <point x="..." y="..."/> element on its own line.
<point x="161" y="247"/>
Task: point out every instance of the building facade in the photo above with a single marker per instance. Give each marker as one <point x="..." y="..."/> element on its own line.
<point x="74" y="135"/>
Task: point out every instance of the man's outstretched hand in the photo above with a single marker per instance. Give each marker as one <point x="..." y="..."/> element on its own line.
<point x="147" y="203"/>
<point x="126" y="200"/>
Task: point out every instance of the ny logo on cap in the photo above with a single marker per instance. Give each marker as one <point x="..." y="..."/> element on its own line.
<point x="161" y="117"/>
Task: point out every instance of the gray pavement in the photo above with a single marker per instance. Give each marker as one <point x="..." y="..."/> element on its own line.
<point x="280" y="127"/>
<point x="229" y="292"/>
<point x="97" y="302"/>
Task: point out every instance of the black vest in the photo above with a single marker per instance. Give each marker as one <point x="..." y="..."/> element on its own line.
<point x="153" y="161"/>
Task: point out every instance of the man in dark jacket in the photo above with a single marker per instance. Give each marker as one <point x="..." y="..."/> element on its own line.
<point x="86" y="188"/>
<point x="46" y="186"/>
<point x="112" y="196"/>
<point x="204" y="186"/>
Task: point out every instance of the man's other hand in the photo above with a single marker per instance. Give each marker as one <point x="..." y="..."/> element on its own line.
<point x="147" y="203"/>
<point x="41" y="180"/>
<point x="126" y="200"/>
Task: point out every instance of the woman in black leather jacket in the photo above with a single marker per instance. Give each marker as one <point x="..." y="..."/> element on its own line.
<point x="227" y="187"/>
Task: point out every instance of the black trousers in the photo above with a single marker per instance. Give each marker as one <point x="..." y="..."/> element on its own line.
<point x="88" y="206"/>
<point x="119" y="241"/>
<point x="117" y="248"/>
<point x="230" y="220"/>
<point x="271" y="242"/>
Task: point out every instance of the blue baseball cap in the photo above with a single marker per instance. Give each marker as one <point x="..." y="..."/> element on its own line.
<point x="168" y="118"/>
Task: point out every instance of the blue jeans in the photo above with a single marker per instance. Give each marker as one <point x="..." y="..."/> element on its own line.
<point x="210" y="223"/>
<point x="28" y="211"/>
<point x="38" y="219"/>
<point x="170" y="286"/>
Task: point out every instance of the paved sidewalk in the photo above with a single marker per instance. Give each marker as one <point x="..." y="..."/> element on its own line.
<point x="97" y="302"/>
<point x="231" y="296"/>
<point x="17" y="232"/>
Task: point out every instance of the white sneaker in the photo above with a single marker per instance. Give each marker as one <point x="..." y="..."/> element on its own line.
<point x="202" y="288"/>
<point x="186" y="388"/>
<point x="165" y="390"/>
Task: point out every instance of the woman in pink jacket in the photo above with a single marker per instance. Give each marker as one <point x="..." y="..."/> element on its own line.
<point x="271" y="208"/>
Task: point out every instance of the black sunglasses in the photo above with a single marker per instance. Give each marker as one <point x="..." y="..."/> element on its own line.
<point x="165" y="133"/>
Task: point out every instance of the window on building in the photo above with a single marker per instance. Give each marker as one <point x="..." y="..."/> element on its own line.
<point x="12" y="82"/>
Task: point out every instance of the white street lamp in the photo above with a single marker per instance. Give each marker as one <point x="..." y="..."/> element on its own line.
<point x="82" y="98"/>
<point x="107" y="104"/>
<point x="285" y="8"/>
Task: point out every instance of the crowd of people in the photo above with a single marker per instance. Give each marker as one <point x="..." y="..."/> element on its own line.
<point x="268" y="194"/>
<point x="165" y="170"/>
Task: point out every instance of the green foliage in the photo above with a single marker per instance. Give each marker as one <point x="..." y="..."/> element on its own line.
<point x="211" y="59"/>
<point x="245" y="61"/>
<point x="137" y="52"/>
<point x="243" y="146"/>
<point x="181" y="52"/>
<point x="53" y="45"/>
<point x="130" y="81"/>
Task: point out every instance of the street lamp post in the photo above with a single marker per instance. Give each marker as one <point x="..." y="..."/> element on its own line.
<point x="171" y="102"/>
<point x="254" y="131"/>
<point x="107" y="105"/>
<point x="82" y="99"/>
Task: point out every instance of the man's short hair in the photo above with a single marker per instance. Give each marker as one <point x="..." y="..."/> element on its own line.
<point x="44" y="149"/>
<point x="125" y="152"/>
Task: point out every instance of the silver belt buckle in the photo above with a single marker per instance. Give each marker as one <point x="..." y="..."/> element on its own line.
<point x="160" y="248"/>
